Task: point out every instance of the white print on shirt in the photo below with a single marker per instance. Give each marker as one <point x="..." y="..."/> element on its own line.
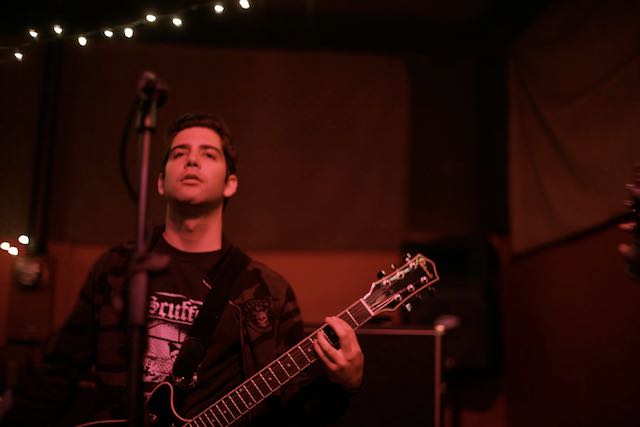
<point x="170" y="317"/>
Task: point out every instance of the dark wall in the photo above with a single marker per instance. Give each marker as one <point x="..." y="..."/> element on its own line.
<point x="323" y="141"/>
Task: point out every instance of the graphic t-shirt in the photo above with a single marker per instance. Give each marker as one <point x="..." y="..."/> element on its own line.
<point x="175" y="298"/>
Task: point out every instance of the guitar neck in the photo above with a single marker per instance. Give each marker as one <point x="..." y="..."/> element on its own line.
<point x="270" y="379"/>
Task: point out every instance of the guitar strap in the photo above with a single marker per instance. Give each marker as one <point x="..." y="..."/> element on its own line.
<point x="222" y="277"/>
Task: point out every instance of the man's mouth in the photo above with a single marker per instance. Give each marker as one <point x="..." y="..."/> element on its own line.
<point x="190" y="178"/>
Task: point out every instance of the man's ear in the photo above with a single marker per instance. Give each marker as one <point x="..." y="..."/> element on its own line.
<point x="231" y="186"/>
<point x="161" y="184"/>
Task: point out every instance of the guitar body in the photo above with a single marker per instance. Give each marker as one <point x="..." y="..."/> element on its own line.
<point x="160" y="408"/>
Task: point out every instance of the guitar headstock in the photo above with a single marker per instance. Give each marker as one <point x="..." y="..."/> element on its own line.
<point x="631" y="251"/>
<point x="396" y="288"/>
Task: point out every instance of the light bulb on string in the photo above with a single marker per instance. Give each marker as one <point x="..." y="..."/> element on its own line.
<point x="5" y="246"/>
<point x="57" y="29"/>
<point x="18" y="55"/>
<point x="244" y="4"/>
<point x="218" y="8"/>
<point x="13" y="250"/>
<point x="150" y="17"/>
<point x="128" y="32"/>
<point x="82" y="41"/>
<point x="108" y="33"/>
<point x="33" y="33"/>
<point x="177" y="21"/>
<point x="24" y="239"/>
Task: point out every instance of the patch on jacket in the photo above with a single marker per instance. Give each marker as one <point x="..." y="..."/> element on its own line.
<point x="258" y="313"/>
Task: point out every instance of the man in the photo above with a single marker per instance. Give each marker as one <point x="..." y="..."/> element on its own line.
<point x="260" y="321"/>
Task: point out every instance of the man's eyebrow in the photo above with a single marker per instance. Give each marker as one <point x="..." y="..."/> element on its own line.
<point x="210" y="147"/>
<point x="201" y="147"/>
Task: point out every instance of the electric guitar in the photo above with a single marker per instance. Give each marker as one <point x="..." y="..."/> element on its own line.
<point x="386" y="294"/>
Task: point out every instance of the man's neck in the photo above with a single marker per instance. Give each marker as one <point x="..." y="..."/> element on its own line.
<point x="201" y="233"/>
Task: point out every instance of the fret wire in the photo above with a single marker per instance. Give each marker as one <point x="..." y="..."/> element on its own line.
<point x="345" y="317"/>
<point x="355" y="322"/>
<point x="220" y="414"/>
<point x="308" y="343"/>
<point x="261" y="375"/>
<point x="216" y="420"/>
<point x="271" y="379"/>
<point x="228" y="411"/>
<point x="237" y="399"/>
<point x="250" y="399"/>
<point x="298" y="358"/>
<point x="246" y="407"/>
<point x="276" y="368"/>
<point x="288" y="364"/>
<point x="304" y="353"/>
<point x="208" y="419"/>
<point x="235" y="411"/>
<point x="253" y="383"/>
<point x="270" y="369"/>
<point x="362" y="312"/>
<point x="215" y="417"/>
<point x="294" y="362"/>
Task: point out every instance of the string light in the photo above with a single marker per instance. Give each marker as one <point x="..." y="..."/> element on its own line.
<point x="58" y="32"/>
<point x="218" y="8"/>
<point x="5" y="246"/>
<point x="24" y="239"/>
<point x="13" y="250"/>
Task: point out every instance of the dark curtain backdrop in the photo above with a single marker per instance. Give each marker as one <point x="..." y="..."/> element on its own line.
<point x="323" y="141"/>
<point x="574" y="93"/>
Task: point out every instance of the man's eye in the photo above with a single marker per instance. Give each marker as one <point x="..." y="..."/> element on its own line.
<point x="177" y="154"/>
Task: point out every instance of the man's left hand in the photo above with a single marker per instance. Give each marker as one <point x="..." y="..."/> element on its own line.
<point x="346" y="364"/>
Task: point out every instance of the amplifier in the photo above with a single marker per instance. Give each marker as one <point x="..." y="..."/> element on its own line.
<point x="402" y="379"/>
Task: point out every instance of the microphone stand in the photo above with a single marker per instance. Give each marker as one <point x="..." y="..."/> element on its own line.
<point x="151" y="95"/>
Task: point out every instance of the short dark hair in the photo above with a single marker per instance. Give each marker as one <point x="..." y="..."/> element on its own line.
<point x="204" y="120"/>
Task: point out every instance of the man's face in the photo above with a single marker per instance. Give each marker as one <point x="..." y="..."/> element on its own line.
<point x="196" y="169"/>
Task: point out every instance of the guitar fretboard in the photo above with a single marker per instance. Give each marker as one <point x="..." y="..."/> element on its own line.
<point x="267" y="381"/>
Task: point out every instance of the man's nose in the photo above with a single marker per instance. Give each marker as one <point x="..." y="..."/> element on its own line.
<point x="192" y="160"/>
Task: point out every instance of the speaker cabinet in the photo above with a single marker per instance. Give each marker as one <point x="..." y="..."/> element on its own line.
<point x="402" y="379"/>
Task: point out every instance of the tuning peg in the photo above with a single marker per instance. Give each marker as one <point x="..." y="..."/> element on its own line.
<point x="408" y="307"/>
<point x="633" y="189"/>
<point x="393" y="266"/>
<point x="432" y="291"/>
<point x="381" y="274"/>
<point x="628" y="226"/>
<point x="407" y="257"/>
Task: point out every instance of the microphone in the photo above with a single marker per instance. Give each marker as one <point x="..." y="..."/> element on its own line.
<point x="151" y="88"/>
